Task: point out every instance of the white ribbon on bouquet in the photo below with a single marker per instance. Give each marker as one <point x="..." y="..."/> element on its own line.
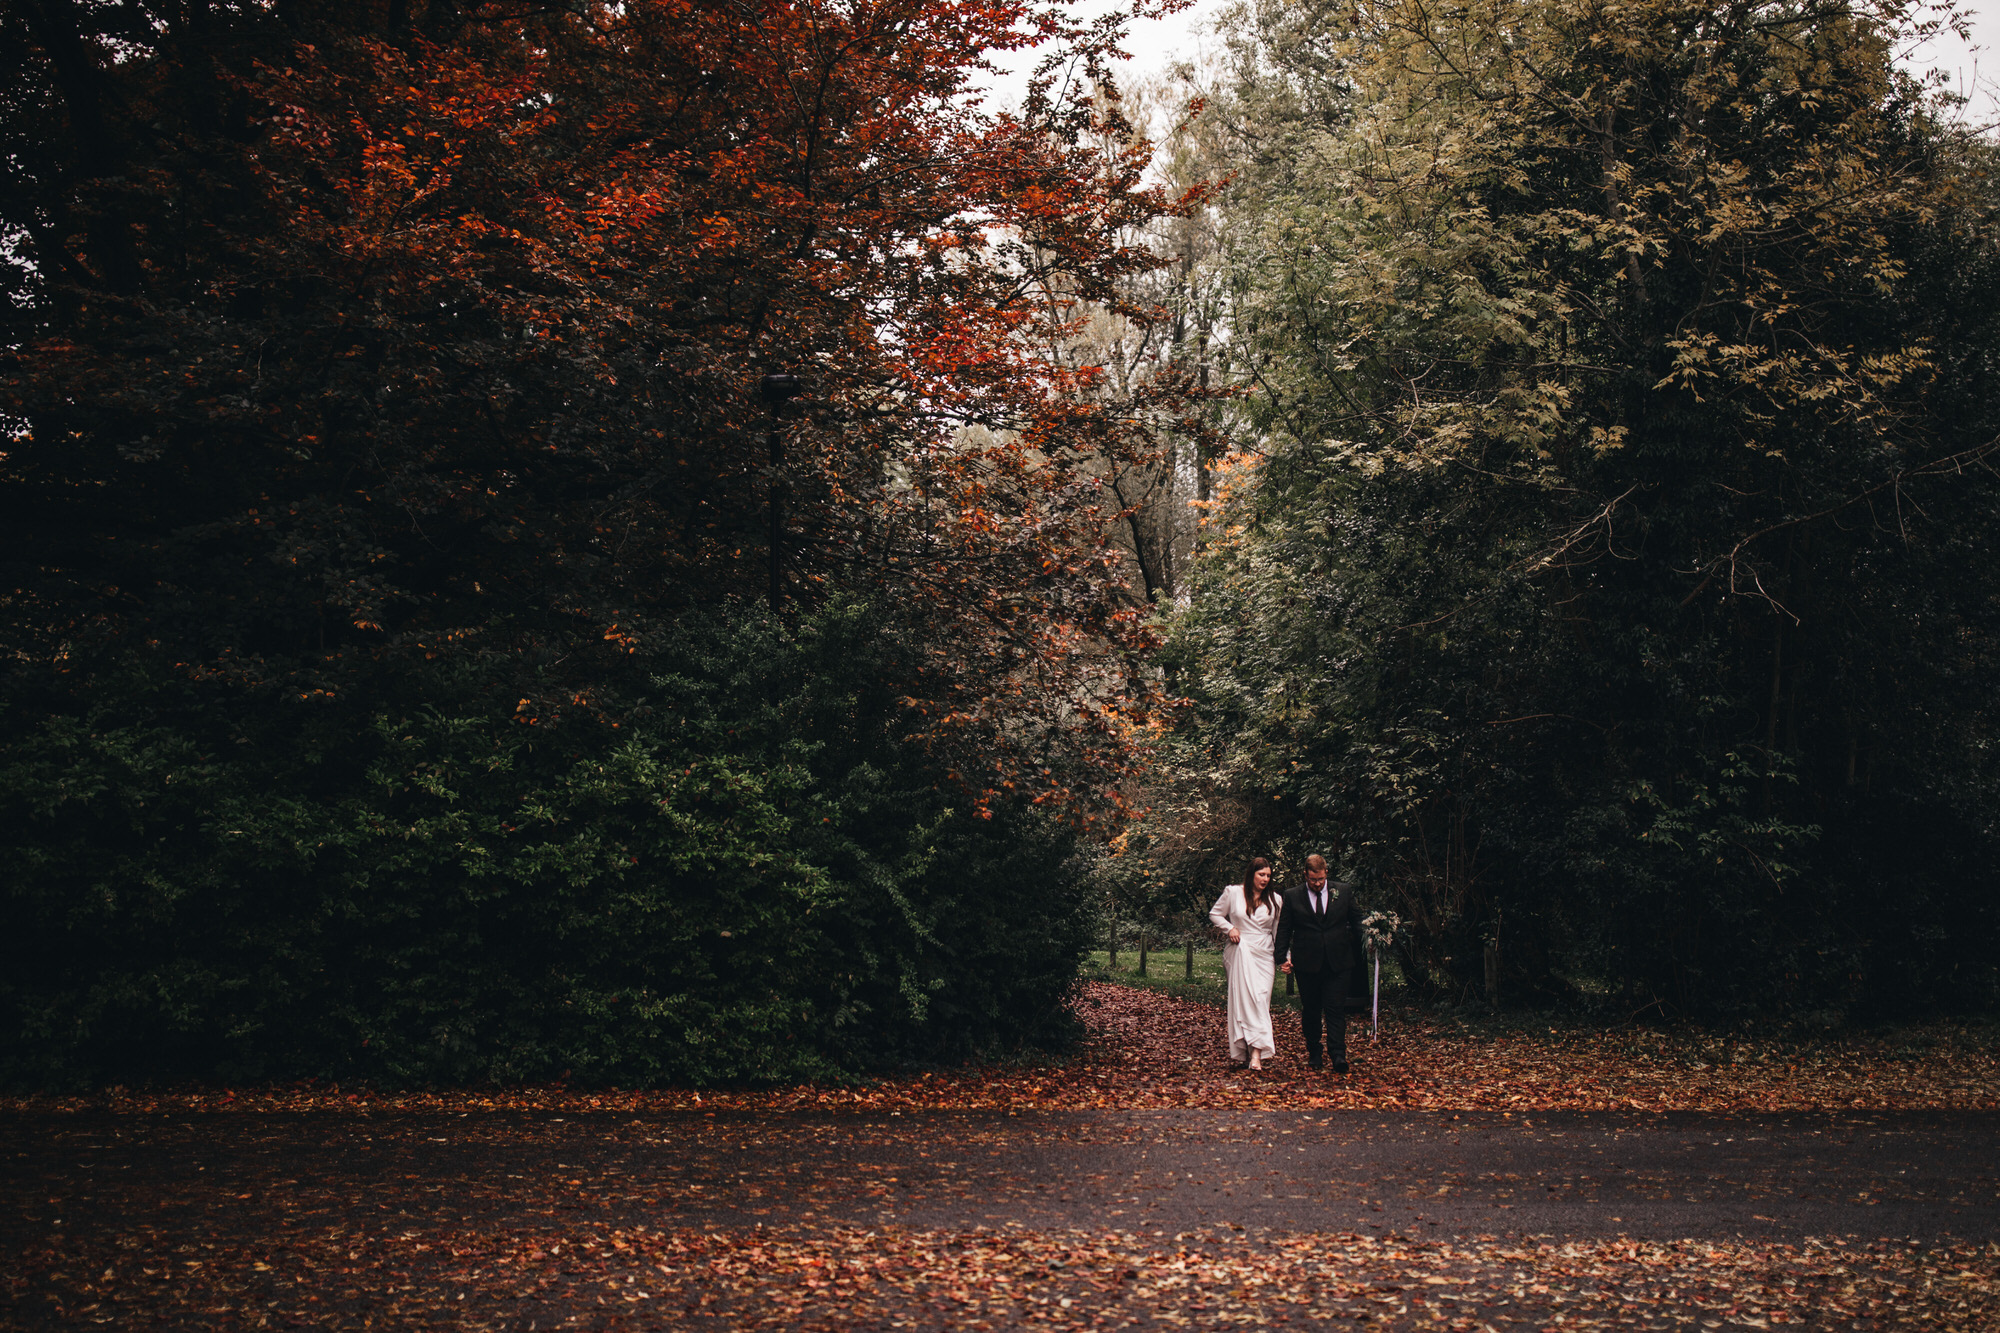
<point x="1378" y="930"/>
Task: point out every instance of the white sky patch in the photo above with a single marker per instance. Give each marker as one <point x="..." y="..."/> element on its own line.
<point x="1154" y="45"/>
<point x="1971" y="68"/>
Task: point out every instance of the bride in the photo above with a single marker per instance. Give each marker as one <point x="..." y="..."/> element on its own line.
<point x="1249" y="913"/>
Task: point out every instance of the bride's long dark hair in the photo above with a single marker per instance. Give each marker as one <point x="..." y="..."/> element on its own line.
<point x="1254" y="897"/>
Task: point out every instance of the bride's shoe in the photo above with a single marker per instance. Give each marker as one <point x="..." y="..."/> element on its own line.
<point x="1256" y="1066"/>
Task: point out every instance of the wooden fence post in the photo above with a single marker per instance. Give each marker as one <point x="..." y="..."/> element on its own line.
<point x="1190" y="960"/>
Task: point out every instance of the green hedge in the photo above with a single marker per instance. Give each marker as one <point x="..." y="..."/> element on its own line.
<point x="749" y="877"/>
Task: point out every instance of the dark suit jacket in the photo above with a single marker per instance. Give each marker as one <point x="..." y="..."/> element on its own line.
<point x="1315" y="943"/>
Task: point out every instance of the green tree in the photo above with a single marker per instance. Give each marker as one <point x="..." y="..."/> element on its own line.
<point x="756" y="879"/>
<point x="1611" y="548"/>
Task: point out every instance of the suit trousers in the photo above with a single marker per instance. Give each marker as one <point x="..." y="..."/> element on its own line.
<point x="1323" y="995"/>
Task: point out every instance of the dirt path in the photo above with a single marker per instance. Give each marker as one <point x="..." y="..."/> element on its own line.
<point x="498" y="1213"/>
<point x="937" y="1220"/>
<point x="1565" y="1176"/>
<point x="1147" y="1050"/>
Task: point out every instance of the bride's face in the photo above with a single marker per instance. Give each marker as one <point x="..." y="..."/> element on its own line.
<point x="1263" y="879"/>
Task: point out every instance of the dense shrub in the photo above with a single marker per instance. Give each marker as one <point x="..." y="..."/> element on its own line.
<point x="749" y="877"/>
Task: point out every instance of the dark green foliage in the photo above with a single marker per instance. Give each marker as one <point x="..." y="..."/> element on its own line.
<point x="751" y="877"/>
<point x="390" y="404"/>
<point x="1618" y="571"/>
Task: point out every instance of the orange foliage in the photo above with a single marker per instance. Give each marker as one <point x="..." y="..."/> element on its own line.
<point x="471" y="308"/>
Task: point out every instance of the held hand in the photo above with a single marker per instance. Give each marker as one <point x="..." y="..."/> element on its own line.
<point x="1287" y="965"/>
<point x="1235" y="935"/>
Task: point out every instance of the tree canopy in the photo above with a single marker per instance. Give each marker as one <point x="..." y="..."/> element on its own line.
<point x="398" y="394"/>
<point x="1609" y="550"/>
<point x="660" y="540"/>
<point x="352" y="338"/>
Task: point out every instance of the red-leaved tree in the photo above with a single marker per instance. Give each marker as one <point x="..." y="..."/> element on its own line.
<point x="353" y="337"/>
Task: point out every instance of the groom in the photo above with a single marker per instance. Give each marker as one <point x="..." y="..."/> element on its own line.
<point x="1319" y="941"/>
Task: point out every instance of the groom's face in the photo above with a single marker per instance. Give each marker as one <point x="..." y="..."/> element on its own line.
<point x="1316" y="877"/>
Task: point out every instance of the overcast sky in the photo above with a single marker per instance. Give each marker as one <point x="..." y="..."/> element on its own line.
<point x="1972" y="68"/>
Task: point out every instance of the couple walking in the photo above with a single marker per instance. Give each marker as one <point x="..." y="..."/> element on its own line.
<point x="1313" y="931"/>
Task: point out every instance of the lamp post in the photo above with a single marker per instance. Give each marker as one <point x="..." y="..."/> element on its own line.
<point x="777" y="390"/>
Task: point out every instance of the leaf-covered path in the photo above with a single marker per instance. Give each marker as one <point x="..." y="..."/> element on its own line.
<point x="1147" y="1050"/>
<point x="1101" y="1207"/>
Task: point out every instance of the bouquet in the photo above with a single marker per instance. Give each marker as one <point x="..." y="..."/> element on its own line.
<point x="1378" y="930"/>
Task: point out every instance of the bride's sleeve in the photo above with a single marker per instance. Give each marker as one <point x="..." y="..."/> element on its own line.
<point x="1218" y="915"/>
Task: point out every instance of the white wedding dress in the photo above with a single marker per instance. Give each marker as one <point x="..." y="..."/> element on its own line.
<point x="1251" y="967"/>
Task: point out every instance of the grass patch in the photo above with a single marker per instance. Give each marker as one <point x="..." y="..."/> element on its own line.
<point x="1166" y="972"/>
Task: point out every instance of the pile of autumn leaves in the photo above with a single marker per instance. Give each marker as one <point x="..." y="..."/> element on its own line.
<point x="849" y="1278"/>
<point x="1150" y="1050"/>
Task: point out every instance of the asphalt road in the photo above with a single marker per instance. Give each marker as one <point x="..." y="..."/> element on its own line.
<point x="1663" y="1177"/>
